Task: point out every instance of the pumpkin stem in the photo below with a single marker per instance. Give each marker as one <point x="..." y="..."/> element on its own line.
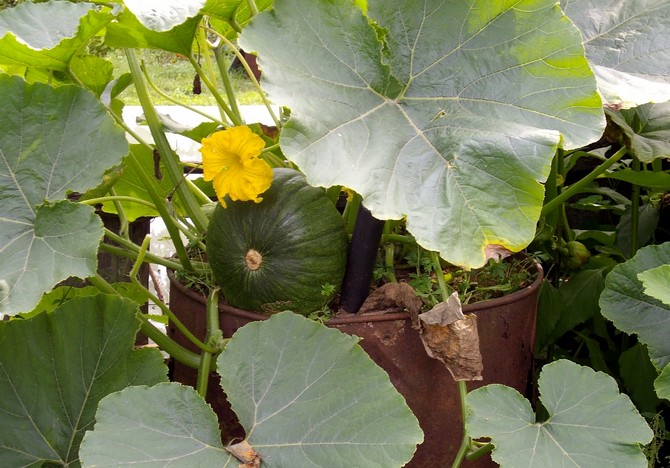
<point x="253" y="259"/>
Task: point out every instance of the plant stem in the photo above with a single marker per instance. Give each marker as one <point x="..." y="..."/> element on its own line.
<point x="578" y="186"/>
<point x="119" y="198"/>
<point x="552" y="189"/>
<point x="168" y="345"/>
<point x="119" y="120"/>
<point x="223" y="66"/>
<point x="103" y="285"/>
<point x="252" y="7"/>
<point x="161" y="207"/>
<point x="133" y="251"/>
<point x="203" y="373"/>
<point x="170" y="158"/>
<point x="179" y="103"/>
<point x="164" y="342"/>
<point x="213" y="330"/>
<point x="197" y="192"/>
<point x="351" y="212"/>
<point x="250" y="73"/>
<point x="465" y="443"/>
<point x="273" y="160"/>
<point x="635" y="213"/>
<point x="235" y="119"/>
<point x="389" y="253"/>
<point x="203" y="43"/>
<point x="481" y="451"/>
<point x="462" y="384"/>
<point x="399" y="238"/>
<point x="133" y="275"/>
<point x="121" y="214"/>
<point x="437" y="267"/>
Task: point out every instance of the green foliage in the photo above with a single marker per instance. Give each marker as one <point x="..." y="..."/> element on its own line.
<point x="635" y="71"/>
<point x="495" y="279"/>
<point x="50" y="239"/>
<point x="166" y="423"/>
<point x="584" y="427"/>
<point x="447" y="116"/>
<point x="653" y="450"/>
<point x="572" y="303"/>
<point x="283" y="390"/>
<point x="626" y="304"/>
<point x="454" y="161"/>
<point x="57" y="366"/>
<point x="26" y="41"/>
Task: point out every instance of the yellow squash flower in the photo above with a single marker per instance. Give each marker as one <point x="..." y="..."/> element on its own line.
<point x="230" y="159"/>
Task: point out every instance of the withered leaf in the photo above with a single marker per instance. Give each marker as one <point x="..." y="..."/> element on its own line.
<point x="451" y="337"/>
<point x="496" y="252"/>
<point x="390" y="298"/>
<point x="245" y="453"/>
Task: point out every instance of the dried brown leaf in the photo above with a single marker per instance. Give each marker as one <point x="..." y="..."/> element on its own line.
<point x="452" y="338"/>
<point x="245" y="453"/>
<point x="390" y="298"/>
<point x="496" y="252"/>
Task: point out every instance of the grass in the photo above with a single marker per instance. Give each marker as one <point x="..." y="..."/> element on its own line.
<point x="174" y="75"/>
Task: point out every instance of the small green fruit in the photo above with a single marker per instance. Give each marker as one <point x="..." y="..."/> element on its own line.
<point x="577" y="255"/>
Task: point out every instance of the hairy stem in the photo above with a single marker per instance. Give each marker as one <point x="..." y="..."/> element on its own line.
<point x="170" y="158"/>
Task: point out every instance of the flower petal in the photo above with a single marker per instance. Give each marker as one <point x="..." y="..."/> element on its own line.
<point x="230" y="159"/>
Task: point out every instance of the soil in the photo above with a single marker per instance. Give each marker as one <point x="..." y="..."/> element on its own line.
<point x="496" y="279"/>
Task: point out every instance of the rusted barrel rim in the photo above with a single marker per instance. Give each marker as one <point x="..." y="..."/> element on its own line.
<point x="353" y="318"/>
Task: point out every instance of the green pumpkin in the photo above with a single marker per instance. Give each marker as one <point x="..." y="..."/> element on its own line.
<point x="278" y="254"/>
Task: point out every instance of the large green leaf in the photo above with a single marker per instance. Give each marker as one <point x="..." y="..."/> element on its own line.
<point x="168" y="424"/>
<point x="55" y="368"/>
<point x="626" y="44"/>
<point x="590" y="423"/>
<point x="147" y="30"/>
<point x="309" y="395"/>
<point x="48" y="35"/>
<point x="306" y="395"/>
<point x="646" y="128"/>
<point x="38" y="251"/>
<point x="452" y="121"/>
<point x="53" y="141"/>
<point x="164" y="15"/>
<point x="626" y="304"/>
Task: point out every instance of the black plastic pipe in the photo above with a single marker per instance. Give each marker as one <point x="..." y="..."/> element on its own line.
<point x="361" y="260"/>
